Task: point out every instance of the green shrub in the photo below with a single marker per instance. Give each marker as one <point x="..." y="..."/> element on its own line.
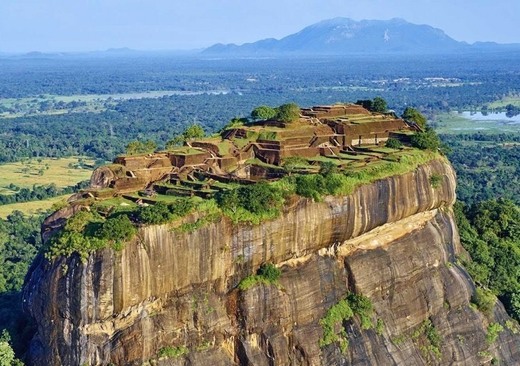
<point x="378" y="104"/>
<point x="235" y="122"/>
<point x="513" y="326"/>
<point x="484" y="299"/>
<point x="393" y="143"/>
<point x="334" y="183"/>
<point x="117" y="229"/>
<point x="427" y="140"/>
<point x="139" y="147"/>
<point x="338" y="314"/>
<point x="158" y="213"/>
<point x="335" y="316"/>
<point x="412" y="114"/>
<point x="7" y="356"/>
<point x="310" y="186"/>
<point x="435" y="180"/>
<point x="267" y="273"/>
<point x="173" y="352"/>
<point x="270" y="272"/>
<point x="77" y="236"/>
<point x="181" y="207"/>
<point x="432" y="340"/>
<point x="263" y="112"/>
<point x="362" y="306"/>
<point x="252" y="203"/>
<point x="288" y="112"/>
<point x="380" y="326"/>
<point x="493" y="331"/>
<point x="514" y="308"/>
<point x="259" y="197"/>
<point x="87" y="231"/>
<point x="327" y="168"/>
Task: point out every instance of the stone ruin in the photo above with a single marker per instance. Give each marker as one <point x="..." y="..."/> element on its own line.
<point x="248" y="153"/>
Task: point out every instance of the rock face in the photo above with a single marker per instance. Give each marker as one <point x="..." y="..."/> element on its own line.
<point x="394" y="241"/>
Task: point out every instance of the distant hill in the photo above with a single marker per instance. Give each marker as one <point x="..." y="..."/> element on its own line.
<point x="340" y="36"/>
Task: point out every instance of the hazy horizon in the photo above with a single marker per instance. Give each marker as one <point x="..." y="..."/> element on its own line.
<point x="80" y="26"/>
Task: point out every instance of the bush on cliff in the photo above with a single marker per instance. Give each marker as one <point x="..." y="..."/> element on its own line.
<point x="252" y="203"/>
<point x="87" y="231"/>
<point x="311" y="186"/>
<point x="341" y="312"/>
<point x="268" y="273"/>
<point x="117" y="229"/>
<point x="76" y="236"/>
<point x="161" y="213"/>
<point x="393" y="143"/>
<point x="427" y="140"/>
<point x="413" y="115"/>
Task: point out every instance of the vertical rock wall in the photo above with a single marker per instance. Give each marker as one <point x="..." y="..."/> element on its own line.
<point x="394" y="241"/>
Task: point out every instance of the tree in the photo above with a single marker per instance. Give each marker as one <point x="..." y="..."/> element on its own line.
<point x="117" y="229"/>
<point x="365" y="103"/>
<point x="7" y="357"/>
<point x="379" y="105"/>
<point x="139" y="147"/>
<point x="288" y="112"/>
<point x="194" y="131"/>
<point x="412" y="114"/>
<point x="191" y="132"/>
<point x="427" y="140"/>
<point x="6" y="354"/>
<point x="158" y="213"/>
<point x="515" y="305"/>
<point x="256" y="198"/>
<point x="235" y="123"/>
<point x="263" y="112"/>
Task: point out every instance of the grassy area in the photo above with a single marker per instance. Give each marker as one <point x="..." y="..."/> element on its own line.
<point x="117" y="204"/>
<point x="31" y="208"/>
<point x="514" y="100"/>
<point x="62" y="172"/>
<point x="455" y="123"/>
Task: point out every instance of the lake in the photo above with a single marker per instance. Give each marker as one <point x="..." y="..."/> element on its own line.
<point x="499" y="117"/>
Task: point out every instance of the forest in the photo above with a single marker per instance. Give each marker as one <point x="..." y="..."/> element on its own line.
<point x="78" y="106"/>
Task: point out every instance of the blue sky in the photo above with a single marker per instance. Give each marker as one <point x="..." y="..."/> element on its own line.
<point x="85" y="25"/>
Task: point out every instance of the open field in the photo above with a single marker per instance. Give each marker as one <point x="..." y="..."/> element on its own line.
<point x="62" y="172"/>
<point x="30" y="208"/>
<point x="514" y="100"/>
<point x="455" y="123"/>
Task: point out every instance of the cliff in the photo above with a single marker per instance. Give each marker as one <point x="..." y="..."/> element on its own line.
<point x="171" y="298"/>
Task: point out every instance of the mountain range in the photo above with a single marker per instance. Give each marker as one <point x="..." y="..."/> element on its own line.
<point x="340" y="36"/>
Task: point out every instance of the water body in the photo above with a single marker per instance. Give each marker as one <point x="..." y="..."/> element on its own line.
<point x="499" y="117"/>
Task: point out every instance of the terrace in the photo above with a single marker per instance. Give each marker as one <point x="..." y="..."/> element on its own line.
<point x="345" y="135"/>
